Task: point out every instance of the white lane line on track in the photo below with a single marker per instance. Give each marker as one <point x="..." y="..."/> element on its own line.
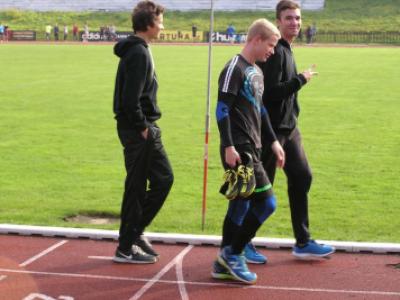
<point x="43" y="253"/>
<point x="156" y="278"/>
<point x="181" y="282"/>
<point x="3" y="277"/>
<point x="101" y="257"/>
<point x="210" y="284"/>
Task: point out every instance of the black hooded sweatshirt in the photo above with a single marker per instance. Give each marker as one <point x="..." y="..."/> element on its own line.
<point x="282" y="82"/>
<point x="135" y="95"/>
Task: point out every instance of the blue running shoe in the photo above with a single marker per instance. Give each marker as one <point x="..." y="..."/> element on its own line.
<point x="312" y="249"/>
<point x="236" y="265"/>
<point x="252" y="256"/>
<point x="220" y="272"/>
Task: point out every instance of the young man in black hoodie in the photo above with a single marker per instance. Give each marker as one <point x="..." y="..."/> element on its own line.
<point x="282" y="82"/>
<point x="149" y="175"/>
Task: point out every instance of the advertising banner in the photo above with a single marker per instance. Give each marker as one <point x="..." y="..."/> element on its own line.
<point x="22" y="35"/>
<point x="180" y="36"/>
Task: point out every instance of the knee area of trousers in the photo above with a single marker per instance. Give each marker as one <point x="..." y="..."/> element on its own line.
<point x="237" y="210"/>
<point x="262" y="209"/>
<point x="301" y="181"/>
<point x="169" y="180"/>
<point x="166" y="181"/>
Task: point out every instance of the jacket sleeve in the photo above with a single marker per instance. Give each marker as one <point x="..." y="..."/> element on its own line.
<point x="266" y="128"/>
<point x="135" y="80"/>
<point x="276" y="87"/>
<point x="224" y="105"/>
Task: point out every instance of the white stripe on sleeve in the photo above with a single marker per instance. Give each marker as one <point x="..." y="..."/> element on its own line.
<point x="228" y="75"/>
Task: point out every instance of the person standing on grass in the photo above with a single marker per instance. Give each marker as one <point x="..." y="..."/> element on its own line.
<point x="65" y="32"/>
<point x="56" y="32"/>
<point x="75" y="30"/>
<point x="282" y="82"/>
<point x="48" y="31"/>
<point x="242" y="121"/>
<point x="1" y="32"/>
<point x="85" y="36"/>
<point x="149" y="174"/>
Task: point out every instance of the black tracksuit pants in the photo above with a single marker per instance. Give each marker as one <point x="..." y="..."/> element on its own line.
<point x="148" y="181"/>
<point x="299" y="177"/>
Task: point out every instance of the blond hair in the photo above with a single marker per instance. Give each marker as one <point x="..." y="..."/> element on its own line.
<point x="262" y="28"/>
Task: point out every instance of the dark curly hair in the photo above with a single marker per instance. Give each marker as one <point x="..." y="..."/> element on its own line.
<point x="144" y="13"/>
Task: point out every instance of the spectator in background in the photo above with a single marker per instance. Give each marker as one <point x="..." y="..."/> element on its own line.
<point x="1" y="32"/>
<point x="309" y="35"/>
<point x="86" y="32"/>
<point x="48" y="31"/>
<point x="107" y="33"/>
<point x="300" y="36"/>
<point x="230" y="33"/>
<point x="313" y="32"/>
<point x="75" y="30"/>
<point x="102" y="30"/>
<point x="65" y="32"/>
<point x="194" y="31"/>
<point x="6" y="32"/>
<point x="113" y="32"/>
<point x="56" y="32"/>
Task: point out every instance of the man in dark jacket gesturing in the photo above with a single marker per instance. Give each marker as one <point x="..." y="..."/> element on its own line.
<point x="282" y="82"/>
<point x="136" y="111"/>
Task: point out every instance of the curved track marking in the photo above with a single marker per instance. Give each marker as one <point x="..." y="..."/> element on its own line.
<point x="156" y="278"/>
<point x="181" y="282"/>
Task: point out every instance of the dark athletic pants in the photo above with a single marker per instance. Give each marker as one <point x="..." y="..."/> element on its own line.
<point x="299" y="177"/>
<point x="237" y="236"/>
<point x="145" y="160"/>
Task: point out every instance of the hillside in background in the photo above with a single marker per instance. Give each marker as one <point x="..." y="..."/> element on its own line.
<point x="338" y="15"/>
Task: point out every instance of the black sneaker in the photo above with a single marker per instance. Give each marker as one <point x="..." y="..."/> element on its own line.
<point x="135" y="256"/>
<point x="145" y="245"/>
<point x="245" y="175"/>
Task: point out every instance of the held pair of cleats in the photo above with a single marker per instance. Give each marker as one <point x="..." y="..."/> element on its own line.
<point x="312" y="250"/>
<point x="235" y="267"/>
<point x="241" y="180"/>
<point x="141" y="253"/>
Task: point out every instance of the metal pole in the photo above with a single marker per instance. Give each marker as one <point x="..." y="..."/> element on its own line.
<point x="207" y="131"/>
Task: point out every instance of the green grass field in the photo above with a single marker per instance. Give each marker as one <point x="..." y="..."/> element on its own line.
<point x="60" y="155"/>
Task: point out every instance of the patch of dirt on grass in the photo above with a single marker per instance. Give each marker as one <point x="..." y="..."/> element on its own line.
<point x="100" y="219"/>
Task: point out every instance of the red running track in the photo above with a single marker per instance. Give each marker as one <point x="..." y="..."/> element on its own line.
<point x="37" y="268"/>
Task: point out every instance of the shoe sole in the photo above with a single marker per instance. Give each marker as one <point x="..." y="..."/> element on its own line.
<point x="129" y="261"/>
<point x="310" y="255"/>
<point x="222" y="276"/>
<point x="254" y="262"/>
<point x="222" y="262"/>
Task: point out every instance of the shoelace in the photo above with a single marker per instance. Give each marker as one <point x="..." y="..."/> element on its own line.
<point x="230" y="176"/>
<point x="245" y="173"/>
<point x="137" y="250"/>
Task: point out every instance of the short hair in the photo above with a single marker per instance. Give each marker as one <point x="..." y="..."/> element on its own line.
<point x="284" y="5"/>
<point x="263" y="28"/>
<point x="144" y="14"/>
